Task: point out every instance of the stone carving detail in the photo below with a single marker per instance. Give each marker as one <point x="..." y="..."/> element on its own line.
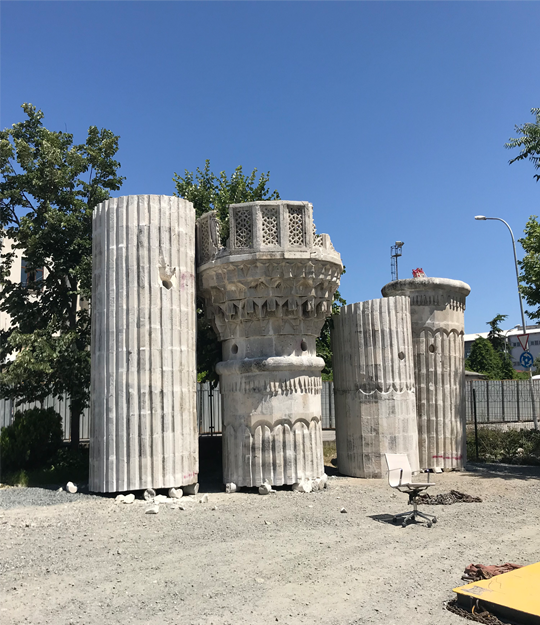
<point x="208" y="237"/>
<point x="437" y="320"/>
<point x="374" y="386"/>
<point x="268" y="305"/>
<point x="243" y="228"/>
<point x="280" y="453"/>
<point x="270" y="220"/>
<point x="296" y="226"/>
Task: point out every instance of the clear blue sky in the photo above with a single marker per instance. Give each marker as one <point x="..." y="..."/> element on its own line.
<point x="389" y="117"/>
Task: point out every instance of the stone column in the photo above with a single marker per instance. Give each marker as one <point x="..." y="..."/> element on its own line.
<point x="374" y="386"/>
<point x="267" y="295"/>
<point x="437" y="315"/>
<point x="143" y="398"/>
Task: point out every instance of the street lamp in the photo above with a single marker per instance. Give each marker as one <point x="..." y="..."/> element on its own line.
<point x="483" y="218"/>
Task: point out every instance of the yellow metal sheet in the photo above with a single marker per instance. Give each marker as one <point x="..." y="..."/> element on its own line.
<point x="517" y="590"/>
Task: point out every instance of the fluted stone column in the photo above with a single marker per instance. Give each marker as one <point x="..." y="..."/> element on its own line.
<point x="143" y="397"/>
<point x="267" y="295"/>
<point x="437" y="315"/>
<point x="374" y="386"/>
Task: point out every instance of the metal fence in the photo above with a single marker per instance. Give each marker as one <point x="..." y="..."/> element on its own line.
<point x="502" y="401"/>
<point x="208" y="410"/>
<point x="8" y="409"/>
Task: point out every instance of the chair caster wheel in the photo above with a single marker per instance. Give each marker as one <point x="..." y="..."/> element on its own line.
<point x="429" y="524"/>
<point x="434" y="520"/>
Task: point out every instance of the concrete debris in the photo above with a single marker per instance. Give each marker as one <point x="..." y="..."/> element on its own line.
<point x="203" y="499"/>
<point x="71" y="488"/>
<point x="119" y="498"/>
<point x="152" y="510"/>
<point x="149" y="494"/>
<point x="214" y="507"/>
<point x="175" y="493"/>
<point x="266" y="489"/>
<point x="343" y="511"/>
<point x="161" y="499"/>
<point x="60" y="490"/>
<point x="129" y="498"/>
<point x="191" y="489"/>
<point x="303" y="486"/>
<point x="230" y="488"/>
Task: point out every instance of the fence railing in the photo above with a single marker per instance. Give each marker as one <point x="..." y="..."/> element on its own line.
<point x="506" y="401"/>
<point x="502" y="401"/>
<point x="208" y="410"/>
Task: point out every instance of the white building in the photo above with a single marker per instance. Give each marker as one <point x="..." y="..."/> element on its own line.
<point x="18" y="274"/>
<point x="513" y="341"/>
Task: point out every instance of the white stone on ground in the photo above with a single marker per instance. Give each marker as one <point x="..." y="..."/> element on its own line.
<point x="343" y="511"/>
<point x="119" y="498"/>
<point x="230" y="487"/>
<point x="266" y="489"/>
<point x="129" y="498"/>
<point x="152" y="510"/>
<point x="203" y="499"/>
<point x="71" y="487"/>
<point x="175" y="493"/>
<point x="303" y="486"/>
<point x="161" y="499"/>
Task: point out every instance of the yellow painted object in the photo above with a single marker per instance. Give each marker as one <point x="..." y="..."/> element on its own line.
<point x="514" y="595"/>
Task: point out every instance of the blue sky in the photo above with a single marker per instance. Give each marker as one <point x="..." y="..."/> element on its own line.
<point x="390" y="118"/>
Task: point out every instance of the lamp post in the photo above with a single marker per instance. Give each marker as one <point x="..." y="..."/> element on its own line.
<point x="483" y="218"/>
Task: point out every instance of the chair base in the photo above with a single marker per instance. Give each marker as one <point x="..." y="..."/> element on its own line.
<point x="406" y="517"/>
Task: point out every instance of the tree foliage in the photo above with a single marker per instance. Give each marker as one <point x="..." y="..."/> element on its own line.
<point x="484" y="359"/>
<point x="207" y="192"/>
<point x="48" y="189"/>
<point x="491" y="356"/>
<point x="528" y="141"/>
<point x="530" y="267"/>
<point x="498" y="340"/>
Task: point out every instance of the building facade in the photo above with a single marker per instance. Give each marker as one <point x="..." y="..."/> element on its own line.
<point x="513" y="343"/>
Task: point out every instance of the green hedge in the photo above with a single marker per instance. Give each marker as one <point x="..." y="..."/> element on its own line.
<point x="32" y="440"/>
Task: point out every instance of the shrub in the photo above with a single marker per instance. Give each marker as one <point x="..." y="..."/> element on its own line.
<point x="32" y="440"/>
<point x="512" y="446"/>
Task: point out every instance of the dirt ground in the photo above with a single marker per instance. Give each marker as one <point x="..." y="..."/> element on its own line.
<point x="240" y="559"/>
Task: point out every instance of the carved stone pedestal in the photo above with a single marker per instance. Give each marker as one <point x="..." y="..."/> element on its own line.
<point x="267" y="295"/>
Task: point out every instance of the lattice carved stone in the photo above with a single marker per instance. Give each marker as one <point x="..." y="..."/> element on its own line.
<point x="243" y="227"/>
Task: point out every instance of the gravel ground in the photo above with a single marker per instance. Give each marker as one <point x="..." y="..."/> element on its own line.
<point x="246" y="559"/>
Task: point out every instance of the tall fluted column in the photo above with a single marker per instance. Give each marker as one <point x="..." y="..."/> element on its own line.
<point x="437" y="315"/>
<point x="374" y="386"/>
<point x="143" y="397"/>
<point x="267" y="295"/>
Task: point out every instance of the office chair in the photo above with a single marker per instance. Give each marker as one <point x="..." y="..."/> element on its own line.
<point x="400" y="477"/>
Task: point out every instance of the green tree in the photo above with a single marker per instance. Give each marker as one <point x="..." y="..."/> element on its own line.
<point x="500" y="345"/>
<point x="530" y="267"/>
<point x="48" y="189"/>
<point x="484" y="359"/>
<point x="207" y="192"/>
<point x="528" y="141"/>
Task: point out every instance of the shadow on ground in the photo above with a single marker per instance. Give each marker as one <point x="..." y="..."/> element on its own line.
<point x="503" y="471"/>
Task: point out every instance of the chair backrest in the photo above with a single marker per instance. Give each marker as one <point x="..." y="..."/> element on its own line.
<point x="399" y="469"/>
